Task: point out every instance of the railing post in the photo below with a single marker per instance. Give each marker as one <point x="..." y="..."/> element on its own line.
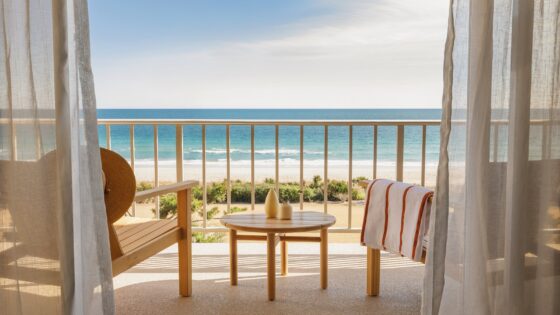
<point x="228" y="167"/>
<point x="276" y="164"/>
<point x="131" y="129"/>
<point x="375" y="152"/>
<point x="156" y="166"/>
<point x="326" y="170"/>
<point x="423" y="171"/>
<point x="400" y="152"/>
<point x="204" y="188"/>
<point x="108" y="136"/>
<point x="301" y="159"/>
<point x="350" y="136"/>
<point x="252" y="167"/>
<point x="179" y="151"/>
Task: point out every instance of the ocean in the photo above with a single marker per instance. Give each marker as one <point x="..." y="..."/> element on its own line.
<point x="240" y="144"/>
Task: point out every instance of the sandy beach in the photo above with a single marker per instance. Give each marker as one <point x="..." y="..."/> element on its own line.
<point x="287" y="173"/>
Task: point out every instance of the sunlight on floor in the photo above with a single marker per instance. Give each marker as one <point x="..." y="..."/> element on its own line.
<point x="152" y="285"/>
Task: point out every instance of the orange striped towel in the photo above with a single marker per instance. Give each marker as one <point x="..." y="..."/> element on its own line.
<point x="396" y="217"/>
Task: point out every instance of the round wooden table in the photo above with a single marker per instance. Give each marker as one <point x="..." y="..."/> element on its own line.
<point x="276" y="230"/>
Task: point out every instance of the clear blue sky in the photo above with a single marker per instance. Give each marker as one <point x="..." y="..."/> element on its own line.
<point x="255" y="53"/>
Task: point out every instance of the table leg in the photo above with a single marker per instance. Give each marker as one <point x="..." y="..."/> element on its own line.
<point x="271" y="264"/>
<point x="233" y="256"/>
<point x="324" y="258"/>
<point x="284" y="257"/>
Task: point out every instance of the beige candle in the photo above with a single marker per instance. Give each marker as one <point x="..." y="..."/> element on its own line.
<point x="285" y="212"/>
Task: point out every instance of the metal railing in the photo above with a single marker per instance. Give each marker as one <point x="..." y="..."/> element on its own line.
<point x="179" y="124"/>
<point x="498" y="128"/>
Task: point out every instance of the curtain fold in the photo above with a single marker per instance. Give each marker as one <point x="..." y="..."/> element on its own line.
<point x="54" y="252"/>
<point x="495" y="229"/>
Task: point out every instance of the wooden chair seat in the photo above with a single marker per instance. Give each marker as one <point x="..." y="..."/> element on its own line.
<point x="142" y="238"/>
<point x="136" y="232"/>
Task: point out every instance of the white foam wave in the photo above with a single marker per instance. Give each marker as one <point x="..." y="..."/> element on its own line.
<point x="286" y="162"/>
<point x="245" y="151"/>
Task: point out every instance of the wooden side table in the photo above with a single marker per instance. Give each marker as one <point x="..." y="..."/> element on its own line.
<point x="276" y="230"/>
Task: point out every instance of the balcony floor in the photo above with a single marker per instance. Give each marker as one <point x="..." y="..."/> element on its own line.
<point x="152" y="288"/>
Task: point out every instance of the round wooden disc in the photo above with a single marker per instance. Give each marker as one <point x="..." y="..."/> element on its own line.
<point x="120" y="185"/>
<point x="302" y="221"/>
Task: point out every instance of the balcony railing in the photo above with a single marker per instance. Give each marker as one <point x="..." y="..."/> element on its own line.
<point x="21" y="140"/>
<point x="179" y="156"/>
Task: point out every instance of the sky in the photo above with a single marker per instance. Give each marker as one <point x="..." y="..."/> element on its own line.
<point x="268" y="53"/>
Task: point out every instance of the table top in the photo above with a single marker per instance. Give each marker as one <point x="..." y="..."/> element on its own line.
<point x="302" y="221"/>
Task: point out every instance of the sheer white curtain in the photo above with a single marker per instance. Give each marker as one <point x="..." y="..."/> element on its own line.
<point x="495" y="232"/>
<point x="54" y="253"/>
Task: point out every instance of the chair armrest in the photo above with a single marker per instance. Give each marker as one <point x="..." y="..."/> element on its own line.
<point x="162" y="190"/>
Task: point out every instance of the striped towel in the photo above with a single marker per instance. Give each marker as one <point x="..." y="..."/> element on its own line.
<point x="395" y="217"/>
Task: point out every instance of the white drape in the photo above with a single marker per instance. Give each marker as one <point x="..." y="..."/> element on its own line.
<point x="54" y="253"/>
<point x="495" y="228"/>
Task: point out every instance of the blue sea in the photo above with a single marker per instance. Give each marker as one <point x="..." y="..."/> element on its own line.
<point x="264" y="135"/>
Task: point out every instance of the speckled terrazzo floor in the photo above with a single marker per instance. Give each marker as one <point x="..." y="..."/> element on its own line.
<point x="152" y="287"/>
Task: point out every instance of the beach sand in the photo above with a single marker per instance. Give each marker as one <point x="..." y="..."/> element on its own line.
<point x="167" y="173"/>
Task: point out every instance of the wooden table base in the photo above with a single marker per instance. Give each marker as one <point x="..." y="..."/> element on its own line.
<point x="272" y="239"/>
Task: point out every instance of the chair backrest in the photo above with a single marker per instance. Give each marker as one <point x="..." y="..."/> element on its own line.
<point x="18" y="181"/>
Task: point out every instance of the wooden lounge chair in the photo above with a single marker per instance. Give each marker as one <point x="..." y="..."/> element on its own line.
<point x="29" y="252"/>
<point x="133" y="240"/>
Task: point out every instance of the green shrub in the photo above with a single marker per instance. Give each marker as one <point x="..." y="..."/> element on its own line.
<point x="308" y="194"/>
<point x="359" y="178"/>
<point x="261" y="191"/>
<point x="241" y="192"/>
<point x="216" y="192"/>
<point x="141" y="186"/>
<point x="317" y="182"/>
<point x="337" y="190"/>
<point x="234" y="210"/>
<point x="289" y="193"/>
<point x="210" y="214"/>
<point x="358" y="194"/>
<point x="199" y="237"/>
<point x="197" y="192"/>
<point x="318" y="195"/>
<point x="167" y="206"/>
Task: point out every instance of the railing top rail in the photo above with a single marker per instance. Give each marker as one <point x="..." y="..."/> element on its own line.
<point x="256" y="122"/>
<point x="265" y="122"/>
